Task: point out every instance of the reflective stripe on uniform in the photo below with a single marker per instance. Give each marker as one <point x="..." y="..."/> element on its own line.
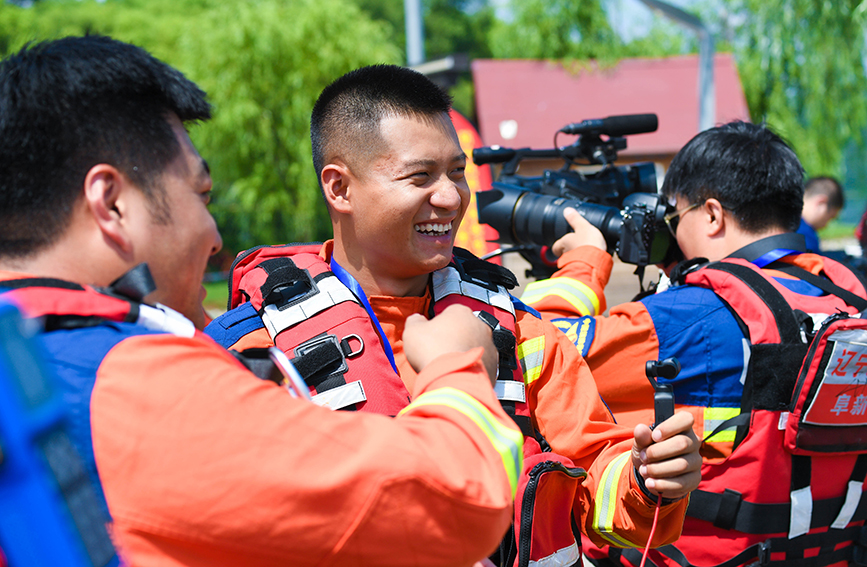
<point x="576" y="293"/>
<point x="606" y="502"/>
<point x="531" y="353"/>
<point x="713" y="417"/>
<point x="508" y="442"/>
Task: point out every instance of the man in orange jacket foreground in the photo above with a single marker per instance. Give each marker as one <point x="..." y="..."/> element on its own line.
<point x="201" y="462"/>
<point x="736" y="194"/>
<point x="392" y="173"/>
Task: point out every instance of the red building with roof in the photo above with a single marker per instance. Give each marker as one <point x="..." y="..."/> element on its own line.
<point x="522" y="103"/>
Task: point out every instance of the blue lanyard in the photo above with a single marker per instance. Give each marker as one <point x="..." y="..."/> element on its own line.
<point x="353" y="285"/>
<point x="772" y="256"/>
<point x="770" y="249"/>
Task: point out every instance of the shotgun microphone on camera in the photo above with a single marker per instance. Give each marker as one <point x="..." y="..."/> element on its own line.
<point x="621" y="125"/>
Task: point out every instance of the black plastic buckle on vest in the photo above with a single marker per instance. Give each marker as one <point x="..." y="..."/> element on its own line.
<point x="286" y="284"/>
<point x="321" y="361"/>
<point x="504" y="341"/>
<point x="859" y="553"/>
<point x="684" y="267"/>
<point x="482" y="272"/>
<point x="764" y="553"/>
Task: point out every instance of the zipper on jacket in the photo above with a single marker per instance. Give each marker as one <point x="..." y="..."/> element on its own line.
<point x="529" y="498"/>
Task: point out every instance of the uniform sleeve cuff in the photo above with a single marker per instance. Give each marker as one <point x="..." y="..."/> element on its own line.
<point x="639" y="480"/>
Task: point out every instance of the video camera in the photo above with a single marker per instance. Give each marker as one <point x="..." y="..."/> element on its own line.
<point x="621" y="201"/>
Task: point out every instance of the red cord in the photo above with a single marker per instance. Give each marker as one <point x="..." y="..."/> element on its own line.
<point x="652" y="530"/>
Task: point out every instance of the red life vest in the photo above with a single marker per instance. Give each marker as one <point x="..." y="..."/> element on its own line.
<point x="65" y="305"/>
<point x="783" y="498"/>
<point x="325" y="330"/>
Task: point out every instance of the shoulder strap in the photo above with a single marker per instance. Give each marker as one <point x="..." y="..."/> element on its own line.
<point x="482" y="271"/>
<point x="763" y="252"/>
<point x="773" y="368"/>
<point x="784" y="317"/>
<point x="113" y="307"/>
<point x="825" y="285"/>
<point x="40" y="282"/>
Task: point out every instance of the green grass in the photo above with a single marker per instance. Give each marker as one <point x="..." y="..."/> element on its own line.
<point x="836" y="230"/>
<point x="218" y="295"/>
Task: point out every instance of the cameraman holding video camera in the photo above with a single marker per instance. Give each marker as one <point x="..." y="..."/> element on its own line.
<point x="736" y="195"/>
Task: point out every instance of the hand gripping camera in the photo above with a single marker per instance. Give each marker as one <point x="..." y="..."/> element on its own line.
<point x="621" y="201"/>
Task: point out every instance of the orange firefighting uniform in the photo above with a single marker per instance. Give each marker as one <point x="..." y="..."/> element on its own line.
<point x="203" y="464"/>
<point x="690" y="322"/>
<point x="566" y="409"/>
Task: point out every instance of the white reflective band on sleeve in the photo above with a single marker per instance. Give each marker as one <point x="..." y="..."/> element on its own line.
<point x="747" y="351"/>
<point x="562" y="558"/>
<point x="331" y="292"/>
<point x="801" y="512"/>
<point x="162" y="318"/>
<point x="510" y="390"/>
<point x="853" y="497"/>
<point x="341" y="396"/>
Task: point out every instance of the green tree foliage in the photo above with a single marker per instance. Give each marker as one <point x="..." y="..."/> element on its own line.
<point x="457" y="26"/>
<point x="450" y="26"/>
<point x="576" y="31"/>
<point x="263" y="63"/>
<point x="264" y="73"/>
<point x="802" y="66"/>
<point x="555" y="29"/>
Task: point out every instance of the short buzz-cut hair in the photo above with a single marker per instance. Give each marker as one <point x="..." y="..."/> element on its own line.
<point x="346" y="117"/>
<point x="828" y="186"/>
<point x="69" y="104"/>
<point x="748" y="168"/>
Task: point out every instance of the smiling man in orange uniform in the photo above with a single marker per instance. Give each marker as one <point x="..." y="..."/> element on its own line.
<point x="392" y="173"/>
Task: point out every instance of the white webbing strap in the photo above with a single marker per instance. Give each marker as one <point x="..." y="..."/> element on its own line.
<point x="853" y="497"/>
<point x="162" y="318"/>
<point x="801" y="512"/>
<point x="341" y="396"/>
<point x="511" y="390"/>
<point x="447" y="281"/>
<point x="331" y="292"/>
<point x="560" y="558"/>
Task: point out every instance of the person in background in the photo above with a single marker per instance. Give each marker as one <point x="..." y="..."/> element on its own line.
<point x="823" y="201"/>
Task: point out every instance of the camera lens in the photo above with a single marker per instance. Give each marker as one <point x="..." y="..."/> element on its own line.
<point x="538" y="219"/>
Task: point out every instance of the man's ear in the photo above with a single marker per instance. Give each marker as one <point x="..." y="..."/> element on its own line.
<point x="822" y="202"/>
<point x="715" y="217"/>
<point x="105" y="189"/>
<point x="336" y="185"/>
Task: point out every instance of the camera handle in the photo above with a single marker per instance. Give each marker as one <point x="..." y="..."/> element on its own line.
<point x="663" y="396"/>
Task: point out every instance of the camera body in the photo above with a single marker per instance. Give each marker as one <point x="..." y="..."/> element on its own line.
<point x="621" y="201"/>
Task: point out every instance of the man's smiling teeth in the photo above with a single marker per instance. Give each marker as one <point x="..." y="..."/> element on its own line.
<point x="433" y="228"/>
